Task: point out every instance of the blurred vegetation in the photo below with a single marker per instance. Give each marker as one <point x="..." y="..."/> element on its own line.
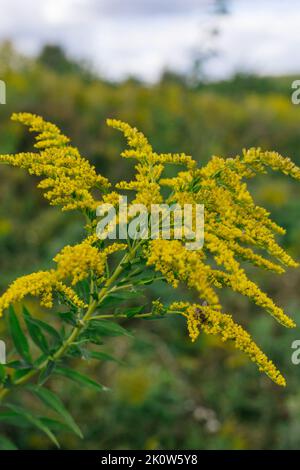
<point x="166" y="392"/>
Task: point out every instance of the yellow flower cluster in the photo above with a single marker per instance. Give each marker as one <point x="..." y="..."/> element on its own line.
<point x="231" y="216"/>
<point x="236" y="229"/>
<point x="157" y="307"/>
<point x="233" y="222"/>
<point x="74" y="263"/>
<point x="114" y="247"/>
<point x="177" y="263"/>
<point x="239" y="282"/>
<point x="213" y="322"/>
<point x="257" y="160"/>
<point x="67" y="177"/>
<point x="42" y="284"/>
<point x="77" y="262"/>
<point x="150" y="164"/>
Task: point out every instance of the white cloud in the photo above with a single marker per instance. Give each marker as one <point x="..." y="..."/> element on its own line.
<point x="141" y="37"/>
<point x="148" y="7"/>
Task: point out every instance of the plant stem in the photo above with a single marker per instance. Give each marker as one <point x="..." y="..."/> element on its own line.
<point x="77" y="330"/>
<point x="140" y="315"/>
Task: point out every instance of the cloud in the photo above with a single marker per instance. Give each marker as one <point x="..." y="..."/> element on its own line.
<point x="149" y="7"/>
<point x="142" y="37"/>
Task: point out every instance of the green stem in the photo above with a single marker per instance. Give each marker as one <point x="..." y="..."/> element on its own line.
<point x="58" y="354"/>
<point x="77" y="330"/>
<point x="140" y="315"/>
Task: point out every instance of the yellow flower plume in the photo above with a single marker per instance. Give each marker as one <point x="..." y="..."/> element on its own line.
<point x="237" y="231"/>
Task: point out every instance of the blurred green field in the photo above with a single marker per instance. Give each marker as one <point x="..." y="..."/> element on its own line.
<point x="166" y="392"/>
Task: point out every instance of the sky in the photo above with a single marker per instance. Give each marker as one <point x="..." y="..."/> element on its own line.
<point x="144" y="37"/>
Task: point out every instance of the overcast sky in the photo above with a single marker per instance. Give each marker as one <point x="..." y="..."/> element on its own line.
<point x="142" y="37"/>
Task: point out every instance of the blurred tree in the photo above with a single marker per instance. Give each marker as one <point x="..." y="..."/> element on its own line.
<point x="55" y="58"/>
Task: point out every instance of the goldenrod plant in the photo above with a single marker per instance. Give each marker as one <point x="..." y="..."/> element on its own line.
<point x="89" y="279"/>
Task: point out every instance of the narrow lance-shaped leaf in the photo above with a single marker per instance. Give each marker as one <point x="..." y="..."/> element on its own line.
<point x="35" y="332"/>
<point x="6" y="444"/>
<point x="14" y="419"/>
<point x="34" y="421"/>
<point x="132" y="311"/>
<point x="80" y="378"/>
<point x="2" y="373"/>
<point x="53" y="402"/>
<point x="125" y="295"/>
<point x="102" y="356"/>
<point x="47" y="328"/>
<point x="18" y="337"/>
<point x="109" y="328"/>
<point x="46" y="372"/>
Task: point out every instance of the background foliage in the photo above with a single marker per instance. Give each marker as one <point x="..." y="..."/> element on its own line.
<point x="176" y="394"/>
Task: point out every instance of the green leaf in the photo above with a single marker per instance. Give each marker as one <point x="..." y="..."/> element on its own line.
<point x="76" y="350"/>
<point x="80" y="378"/>
<point x="18" y="337"/>
<point x="124" y="295"/>
<point x="109" y="328"/>
<point x="132" y="311"/>
<point x="136" y="260"/>
<point x="2" y="373"/>
<point x="53" y="424"/>
<point x="83" y="289"/>
<point x="18" y="365"/>
<point x="102" y="356"/>
<point x="19" y="373"/>
<point x="14" y="419"/>
<point x="35" y="332"/>
<point x="110" y="302"/>
<point x="91" y="336"/>
<point x="6" y="444"/>
<point x="146" y="281"/>
<point x="47" y="328"/>
<point x="46" y="372"/>
<point x="118" y="297"/>
<point x="53" y="402"/>
<point x="34" y="421"/>
<point x="68" y="317"/>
